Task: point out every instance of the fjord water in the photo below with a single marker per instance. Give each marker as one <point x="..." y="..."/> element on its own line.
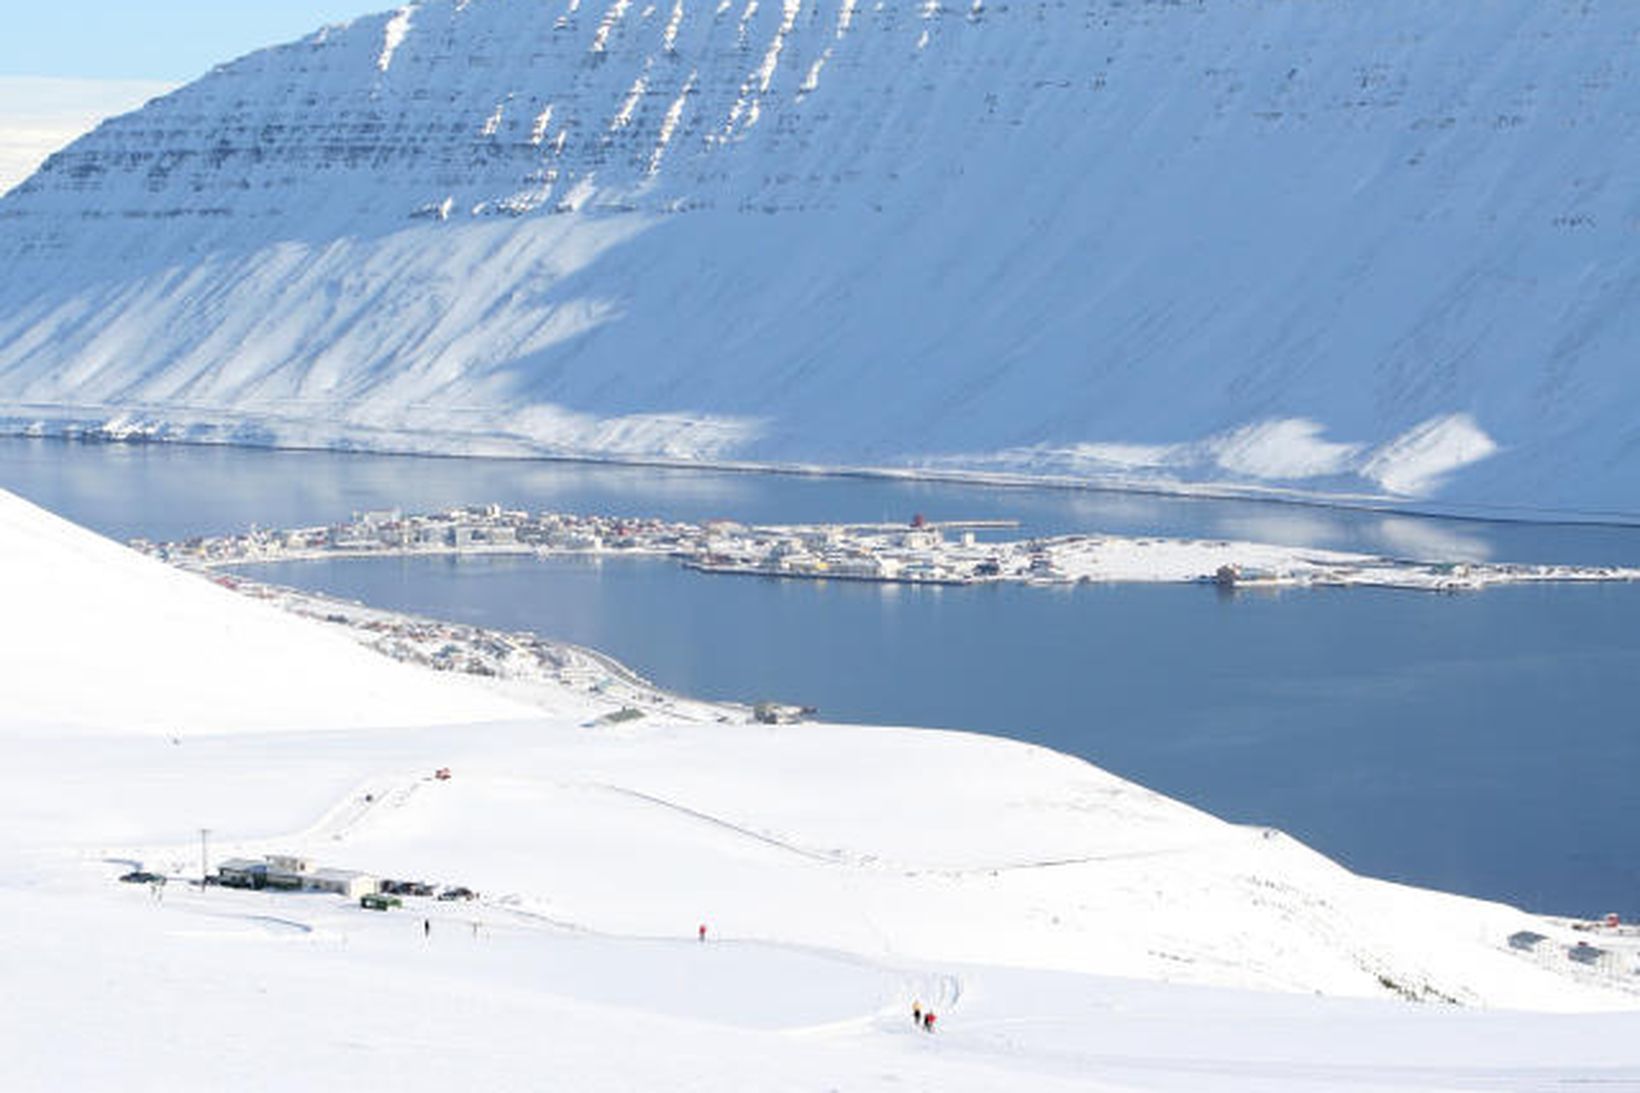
<point x="1481" y="743"/>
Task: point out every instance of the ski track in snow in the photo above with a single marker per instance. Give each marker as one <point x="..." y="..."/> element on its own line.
<point x="845" y="858"/>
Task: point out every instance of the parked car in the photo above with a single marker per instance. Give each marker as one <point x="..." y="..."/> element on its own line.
<point x="378" y="901"/>
<point x="458" y="892"/>
<point x="141" y="876"/>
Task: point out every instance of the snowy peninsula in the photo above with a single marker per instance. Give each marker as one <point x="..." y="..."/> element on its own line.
<point x="1071" y="930"/>
<point x="918" y="552"/>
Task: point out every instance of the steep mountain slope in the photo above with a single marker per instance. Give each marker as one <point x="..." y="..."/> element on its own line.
<point x="1348" y="247"/>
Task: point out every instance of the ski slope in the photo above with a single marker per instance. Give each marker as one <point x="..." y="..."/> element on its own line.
<point x="1379" y="250"/>
<point x="1071" y="929"/>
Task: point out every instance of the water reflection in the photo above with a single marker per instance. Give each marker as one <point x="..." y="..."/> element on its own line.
<point x="1426" y="540"/>
<point x="172" y="491"/>
<point x="1289" y="526"/>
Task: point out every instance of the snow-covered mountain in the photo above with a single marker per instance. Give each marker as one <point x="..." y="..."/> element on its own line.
<point x="1376" y="247"/>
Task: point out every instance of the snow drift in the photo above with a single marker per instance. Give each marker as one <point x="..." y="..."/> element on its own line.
<point x="1346" y="248"/>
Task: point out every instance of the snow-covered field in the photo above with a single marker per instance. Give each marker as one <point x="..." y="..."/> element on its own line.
<point x="1072" y="930"/>
<point x="1377" y="250"/>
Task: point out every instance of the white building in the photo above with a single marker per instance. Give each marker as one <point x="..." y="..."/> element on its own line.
<point x="822" y="538"/>
<point x="287" y="871"/>
<point x="344" y="882"/>
<point x="921" y="539"/>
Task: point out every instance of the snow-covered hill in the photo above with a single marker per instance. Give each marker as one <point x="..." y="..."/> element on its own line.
<point x="1349" y="247"/>
<point x="99" y="637"/>
<point x="1072" y="930"/>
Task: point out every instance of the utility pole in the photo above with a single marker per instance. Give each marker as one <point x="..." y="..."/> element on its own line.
<point x="204" y="866"/>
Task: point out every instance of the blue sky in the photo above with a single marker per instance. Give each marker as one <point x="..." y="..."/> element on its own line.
<point x="172" y="40"/>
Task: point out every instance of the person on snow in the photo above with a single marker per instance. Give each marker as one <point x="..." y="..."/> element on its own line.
<point x="702" y="932"/>
<point x="426" y="927"/>
<point x="928" y="1021"/>
<point x="916" y="1013"/>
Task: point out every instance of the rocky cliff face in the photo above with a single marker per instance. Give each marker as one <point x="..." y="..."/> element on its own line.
<point x="1338" y="247"/>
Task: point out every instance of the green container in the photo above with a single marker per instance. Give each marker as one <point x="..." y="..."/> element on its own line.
<point x="376" y="901"/>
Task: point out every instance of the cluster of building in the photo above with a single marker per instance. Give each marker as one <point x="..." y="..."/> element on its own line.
<point x="915" y="553"/>
<point x="919" y="552"/>
<point x="1609" y="950"/>
<point x="475" y="528"/>
<point x="461" y="647"/>
<point x="289" y="873"/>
<point x="517" y="656"/>
<point x="457" y="647"/>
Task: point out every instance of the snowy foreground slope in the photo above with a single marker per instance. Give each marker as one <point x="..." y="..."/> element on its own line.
<point x="1349" y="248"/>
<point x="98" y="638"/>
<point x="1071" y="929"/>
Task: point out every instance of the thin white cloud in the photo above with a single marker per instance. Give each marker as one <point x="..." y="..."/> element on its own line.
<point x="38" y="115"/>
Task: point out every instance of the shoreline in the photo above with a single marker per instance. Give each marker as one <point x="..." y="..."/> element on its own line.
<point x="515" y="659"/>
<point x="632" y="700"/>
<point x="1385" y="504"/>
<point x="917" y="553"/>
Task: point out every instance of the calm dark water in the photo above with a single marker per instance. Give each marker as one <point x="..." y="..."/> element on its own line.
<point x="174" y="491"/>
<point x="1482" y="743"/>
